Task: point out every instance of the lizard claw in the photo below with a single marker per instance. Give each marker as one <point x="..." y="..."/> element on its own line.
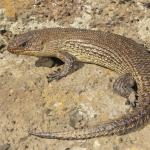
<point x="54" y="76"/>
<point x="132" y="104"/>
<point x="132" y="100"/>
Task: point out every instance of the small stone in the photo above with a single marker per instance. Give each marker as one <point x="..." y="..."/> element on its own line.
<point x="96" y="145"/>
<point x="5" y="146"/>
<point x="11" y="91"/>
<point x="78" y="118"/>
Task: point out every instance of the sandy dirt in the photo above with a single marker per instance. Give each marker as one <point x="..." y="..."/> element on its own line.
<point x="81" y="99"/>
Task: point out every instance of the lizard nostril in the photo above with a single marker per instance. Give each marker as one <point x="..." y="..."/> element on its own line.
<point x="11" y="47"/>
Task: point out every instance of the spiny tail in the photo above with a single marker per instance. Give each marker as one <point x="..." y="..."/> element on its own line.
<point x="122" y="125"/>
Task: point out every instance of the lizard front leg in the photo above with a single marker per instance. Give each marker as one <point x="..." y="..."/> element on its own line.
<point x="68" y="66"/>
<point x="124" y="87"/>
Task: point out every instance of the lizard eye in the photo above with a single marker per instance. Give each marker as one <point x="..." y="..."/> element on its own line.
<point x="23" y="44"/>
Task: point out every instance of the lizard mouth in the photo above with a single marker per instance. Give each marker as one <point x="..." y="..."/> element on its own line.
<point x="32" y="53"/>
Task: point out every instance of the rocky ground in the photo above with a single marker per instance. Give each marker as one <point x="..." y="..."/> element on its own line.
<point x="79" y="100"/>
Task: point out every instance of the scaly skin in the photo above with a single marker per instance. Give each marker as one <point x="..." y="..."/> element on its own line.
<point x="112" y="51"/>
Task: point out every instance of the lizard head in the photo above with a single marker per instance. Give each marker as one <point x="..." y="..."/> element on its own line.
<point x="26" y="44"/>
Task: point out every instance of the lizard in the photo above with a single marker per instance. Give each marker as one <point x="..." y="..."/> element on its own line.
<point x="115" y="52"/>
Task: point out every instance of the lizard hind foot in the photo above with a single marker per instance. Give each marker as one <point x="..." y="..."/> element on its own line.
<point x="125" y="86"/>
